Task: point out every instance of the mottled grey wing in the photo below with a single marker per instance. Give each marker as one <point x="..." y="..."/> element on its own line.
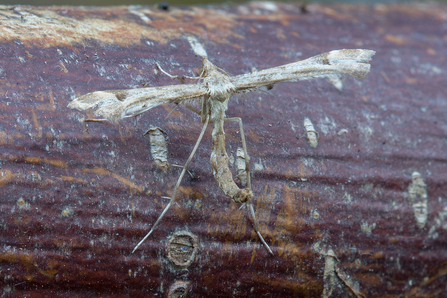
<point x="350" y="62"/>
<point x="115" y="105"/>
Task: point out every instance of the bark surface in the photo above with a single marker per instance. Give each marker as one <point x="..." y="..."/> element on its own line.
<point x="363" y="213"/>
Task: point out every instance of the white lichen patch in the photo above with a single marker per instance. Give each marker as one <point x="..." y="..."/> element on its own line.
<point x="327" y="125"/>
<point x="348" y="198"/>
<point x="159" y="147"/>
<point x="67" y="211"/>
<point x="440" y="222"/>
<point x="417" y="196"/>
<point x="365" y="130"/>
<point x="311" y="133"/>
<point x="367" y="228"/>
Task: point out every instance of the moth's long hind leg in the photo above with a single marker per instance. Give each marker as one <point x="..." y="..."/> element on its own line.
<point x="255" y="224"/>
<point x="247" y="169"/>
<point x="172" y="201"/>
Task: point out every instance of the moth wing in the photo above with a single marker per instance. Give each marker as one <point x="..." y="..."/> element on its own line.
<point x="353" y="62"/>
<point x="115" y="105"/>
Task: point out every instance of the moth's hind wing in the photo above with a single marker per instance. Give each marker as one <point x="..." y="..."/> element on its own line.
<point x="115" y="105"/>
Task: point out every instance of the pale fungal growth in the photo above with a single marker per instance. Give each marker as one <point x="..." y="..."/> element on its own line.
<point x="417" y="195"/>
<point x="179" y="289"/>
<point x="240" y="166"/>
<point x="216" y="87"/>
<point x="367" y="228"/>
<point x="182" y="248"/>
<point x="311" y="133"/>
<point x="329" y="277"/>
<point x="159" y="147"/>
<point x="333" y="273"/>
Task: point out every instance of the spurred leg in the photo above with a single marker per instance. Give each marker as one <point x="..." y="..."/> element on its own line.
<point x="247" y="169"/>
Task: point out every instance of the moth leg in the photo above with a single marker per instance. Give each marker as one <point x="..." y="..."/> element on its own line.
<point x="247" y="169"/>
<point x="190" y="174"/>
<point x="255" y="224"/>
<point x="185" y="167"/>
<point x="197" y="111"/>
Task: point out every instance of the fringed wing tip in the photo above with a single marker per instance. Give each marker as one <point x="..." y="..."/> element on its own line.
<point x="359" y="55"/>
<point x="107" y="103"/>
<point x="353" y="62"/>
<point x="91" y="100"/>
<point x="75" y="104"/>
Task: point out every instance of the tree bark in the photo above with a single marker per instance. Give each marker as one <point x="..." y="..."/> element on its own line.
<point x="363" y="213"/>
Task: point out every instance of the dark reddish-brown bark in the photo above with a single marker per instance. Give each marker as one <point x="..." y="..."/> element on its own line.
<point x="75" y="198"/>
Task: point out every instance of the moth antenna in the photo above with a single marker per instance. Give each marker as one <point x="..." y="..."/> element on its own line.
<point x="169" y="75"/>
<point x="180" y="78"/>
<point x="95" y="120"/>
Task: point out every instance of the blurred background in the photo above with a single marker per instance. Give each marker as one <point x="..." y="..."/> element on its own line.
<point x="176" y="2"/>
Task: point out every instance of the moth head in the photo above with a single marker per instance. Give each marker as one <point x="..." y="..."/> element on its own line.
<point x="207" y="67"/>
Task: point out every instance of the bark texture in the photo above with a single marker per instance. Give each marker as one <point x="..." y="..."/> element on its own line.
<point x="363" y="213"/>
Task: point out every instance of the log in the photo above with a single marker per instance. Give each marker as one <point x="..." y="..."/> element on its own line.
<point x="364" y="213"/>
